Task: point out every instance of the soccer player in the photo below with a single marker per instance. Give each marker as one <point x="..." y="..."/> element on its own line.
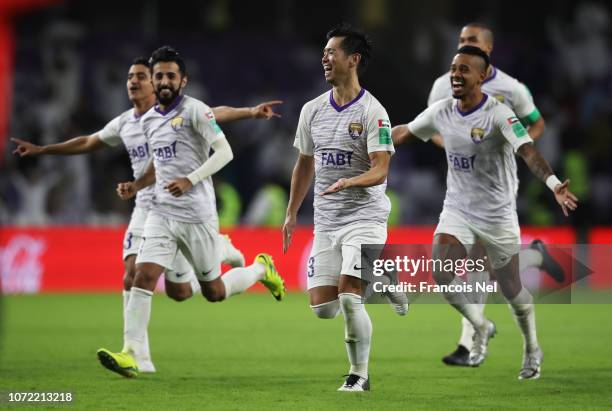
<point x="516" y="96"/>
<point x="497" y="84"/>
<point x="344" y="142"/>
<point x="125" y="128"/>
<point x="180" y="131"/>
<point x="481" y="136"/>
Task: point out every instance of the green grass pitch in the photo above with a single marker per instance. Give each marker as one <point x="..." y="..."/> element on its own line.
<point x="254" y="353"/>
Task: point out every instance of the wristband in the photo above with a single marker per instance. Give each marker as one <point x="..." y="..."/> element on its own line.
<point x="552" y="181"/>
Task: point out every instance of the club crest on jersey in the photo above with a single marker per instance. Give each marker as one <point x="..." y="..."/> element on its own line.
<point x="477" y="135"/>
<point x="176" y="123"/>
<point x="355" y="130"/>
<point x="500" y="98"/>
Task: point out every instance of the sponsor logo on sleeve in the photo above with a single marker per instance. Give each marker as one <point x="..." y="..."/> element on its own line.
<point x="517" y="127"/>
<point x="384" y="131"/>
<point x="215" y="126"/>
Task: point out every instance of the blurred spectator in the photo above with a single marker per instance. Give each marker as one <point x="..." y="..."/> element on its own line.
<point x="69" y="79"/>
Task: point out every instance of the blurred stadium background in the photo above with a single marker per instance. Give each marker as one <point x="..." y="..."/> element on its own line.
<point x="64" y="65"/>
<point x="64" y="69"/>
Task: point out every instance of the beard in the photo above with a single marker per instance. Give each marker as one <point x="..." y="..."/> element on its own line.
<point x="168" y="97"/>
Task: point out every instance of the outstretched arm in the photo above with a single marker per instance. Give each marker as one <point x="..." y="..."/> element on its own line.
<point x="401" y="134"/>
<point x="301" y="179"/>
<point x="536" y="129"/>
<point x="265" y="110"/>
<point x="77" y="145"/>
<point x="424" y="128"/>
<point x="541" y="169"/>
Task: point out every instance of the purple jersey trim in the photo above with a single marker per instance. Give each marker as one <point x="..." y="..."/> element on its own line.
<point x="171" y="107"/>
<point x="473" y="109"/>
<point x="347" y="105"/>
<point x="493" y="74"/>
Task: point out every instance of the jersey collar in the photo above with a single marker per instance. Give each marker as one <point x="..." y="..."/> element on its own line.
<point x="171" y="107"/>
<point x="347" y="105"/>
<point x="473" y="109"/>
<point x="492" y="76"/>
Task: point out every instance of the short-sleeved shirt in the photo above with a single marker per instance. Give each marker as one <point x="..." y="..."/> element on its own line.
<point x="504" y="88"/>
<point x="480" y="145"/>
<point x="341" y="138"/>
<point x="126" y="129"/>
<point x="180" y="140"/>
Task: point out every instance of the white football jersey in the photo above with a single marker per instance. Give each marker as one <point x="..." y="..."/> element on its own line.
<point x="480" y="146"/>
<point x="126" y="129"/>
<point x="340" y="139"/>
<point x="180" y="138"/>
<point x="500" y="85"/>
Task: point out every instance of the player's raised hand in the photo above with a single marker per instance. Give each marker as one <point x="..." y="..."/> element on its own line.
<point x="26" y="149"/>
<point x="266" y="110"/>
<point x="179" y="186"/>
<point x="125" y="191"/>
<point x="566" y="199"/>
<point x="339" y="185"/>
<point x="288" y="228"/>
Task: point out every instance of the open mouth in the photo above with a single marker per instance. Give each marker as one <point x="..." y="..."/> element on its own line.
<point x="327" y="68"/>
<point x="457" y="85"/>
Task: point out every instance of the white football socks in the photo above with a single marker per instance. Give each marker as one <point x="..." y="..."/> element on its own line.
<point x="240" y="279"/>
<point x="529" y="258"/>
<point x="467" y="330"/>
<point x="358" y="333"/>
<point x="328" y="310"/>
<point x="137" y="318"/>
<point x="195" y="285"/>
<point x="479" y="298"/>
<point x="126" y="299"/>
<point x="460" y="302"/>
<point x="524" y="312"/>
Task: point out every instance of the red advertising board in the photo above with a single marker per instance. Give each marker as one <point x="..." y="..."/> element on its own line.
<point x="600" y="257"/>
<point x="88" y="259"/>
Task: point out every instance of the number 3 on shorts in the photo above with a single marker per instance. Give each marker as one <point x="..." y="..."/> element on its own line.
<point x="127" y="243"/>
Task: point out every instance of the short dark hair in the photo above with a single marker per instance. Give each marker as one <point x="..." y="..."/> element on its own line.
<point x="485" y="28"/>
<point x="475" y="51"/>
<point x="355" y="41"/>
<point x="140" y="60"/>
<point x="167" y="54"/>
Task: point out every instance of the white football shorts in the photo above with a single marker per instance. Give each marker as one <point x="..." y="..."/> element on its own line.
<point x="165" y="238"/>
<point x="501" y="241"/>
<point x="339" y="252"/>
